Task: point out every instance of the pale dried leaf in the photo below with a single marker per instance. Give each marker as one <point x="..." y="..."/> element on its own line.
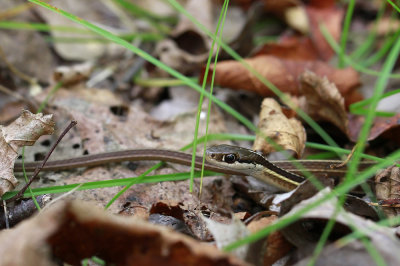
<point x="289" y="134"/>
<point x="388" y="188"/>
<point x="296" y="17"/>
<point x="24" y="131"/>
<point x="72" y="231"/>
<point x="323" y="101"/>
<point x="225" y="234"/>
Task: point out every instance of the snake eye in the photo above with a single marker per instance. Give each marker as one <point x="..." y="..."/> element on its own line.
<point x="230" y="158"/>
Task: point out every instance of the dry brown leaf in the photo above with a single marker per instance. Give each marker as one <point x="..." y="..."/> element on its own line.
<point x="24" y="131"/>
<point x="293" y="47"/>
<point x="188" y="47"/>
<point x="322" y="100"/>
<point x="277" y="246"/>
<point x="72" y="231"/>
<point x="387" y="126"/>
<point x="283" y="74"/>
<point x="331" y="17"/>
<point x="287" y="133"/>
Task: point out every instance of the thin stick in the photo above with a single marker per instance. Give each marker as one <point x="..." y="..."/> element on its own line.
<point x="6" y="215"/>
<point x="40" y="167"/>
<point x="333" y="166"/>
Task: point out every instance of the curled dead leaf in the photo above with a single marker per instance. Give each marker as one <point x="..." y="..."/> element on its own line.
<point x="286" y="133"/>
<point x="24" y="131"/>
<point x="322" y="100"/>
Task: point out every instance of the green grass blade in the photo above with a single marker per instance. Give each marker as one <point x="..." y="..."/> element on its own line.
<point x="345" y="32"/>
<point x="110" y="183"/>
<point x="382" y="51"/>
<point x="220" y="27"/>
<point x="394" y="5"/>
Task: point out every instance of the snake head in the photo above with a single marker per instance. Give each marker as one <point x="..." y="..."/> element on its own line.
<point x="233" y="157"/>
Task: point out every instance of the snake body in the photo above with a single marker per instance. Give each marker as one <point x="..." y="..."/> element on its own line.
<point x="285" y="175"/>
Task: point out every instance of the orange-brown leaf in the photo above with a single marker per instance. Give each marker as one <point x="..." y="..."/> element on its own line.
<point x="283" y="74"/>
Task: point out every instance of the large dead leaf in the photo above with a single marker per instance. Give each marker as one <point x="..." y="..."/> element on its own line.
<point x="24" y="131"/>
<point x="73" y="231"/>
<point x="283" y="74"/>
<point x="322" y="100"/>
<point x="288" y="134"/>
